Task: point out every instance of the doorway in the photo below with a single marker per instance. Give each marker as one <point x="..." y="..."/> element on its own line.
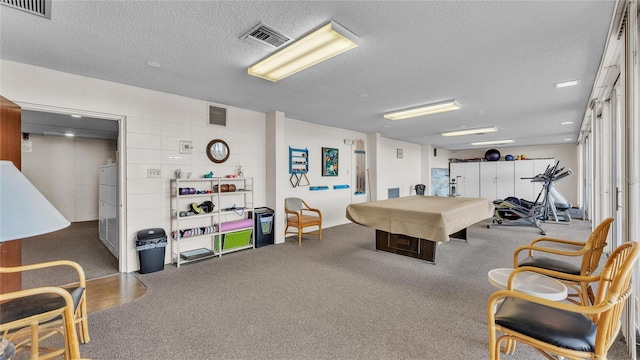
<point x="66" y="170"/>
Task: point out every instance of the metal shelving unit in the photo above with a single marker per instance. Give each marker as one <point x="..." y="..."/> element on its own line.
<point x="200" y="236"/>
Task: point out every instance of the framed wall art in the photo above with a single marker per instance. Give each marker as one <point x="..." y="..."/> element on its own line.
<point x="329" y="161"/>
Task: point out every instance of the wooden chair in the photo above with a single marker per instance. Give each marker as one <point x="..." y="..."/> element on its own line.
<point x="569" y="257"/>
<point x="299" y="216"/>
<point x="561" y="328"/>
<point x="28" y="317"/>
<point x="77" y="291"/>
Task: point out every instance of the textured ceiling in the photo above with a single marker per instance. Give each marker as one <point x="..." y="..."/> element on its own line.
<point x="499" y="59"/>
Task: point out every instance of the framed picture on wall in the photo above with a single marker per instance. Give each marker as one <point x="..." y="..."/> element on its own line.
<point x="329" y="161"/>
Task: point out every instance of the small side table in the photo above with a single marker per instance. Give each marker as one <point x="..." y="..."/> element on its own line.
<point x="529" y="283"/>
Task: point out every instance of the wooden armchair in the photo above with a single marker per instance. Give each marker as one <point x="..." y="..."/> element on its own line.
<point x="77" y="291"/>
<point x="28" y="316"/>
<point x="569" y="257"/>
<point x="299" y="216"/>
<point x="561" y="328"/>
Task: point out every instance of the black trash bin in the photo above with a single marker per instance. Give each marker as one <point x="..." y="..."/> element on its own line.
<point x="420" y="189"/>
<point x="263" y="226"/>
<point x="151" y="245"/>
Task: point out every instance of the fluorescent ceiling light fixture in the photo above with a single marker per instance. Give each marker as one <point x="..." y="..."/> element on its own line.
<point x="566" y="123"/>
<point x="470" y="131"/>
<point x="76" y="116"/>
<point x="422" y="110"/>
<point x="568" y="139"/>
<point x="69" y="134"/>
<point x="495" y="142"/>
<point x="566" y="84"/>
<point x="319" y="45"/>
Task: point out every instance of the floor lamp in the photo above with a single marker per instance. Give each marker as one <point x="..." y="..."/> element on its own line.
<point x="24" y="211"/>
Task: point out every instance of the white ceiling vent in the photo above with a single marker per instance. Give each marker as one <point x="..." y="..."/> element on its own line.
<point x="266" y="37"/>
<point x="36" y="7"/>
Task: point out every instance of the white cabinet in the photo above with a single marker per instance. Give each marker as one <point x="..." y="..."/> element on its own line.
<point x="524" y="171"/>
<point x="496" y="179"/>
<point x="465" y="179"/>
<point x="196" y="232"/>
<point x="107" y="207"/>
<point x="523" y="188"/>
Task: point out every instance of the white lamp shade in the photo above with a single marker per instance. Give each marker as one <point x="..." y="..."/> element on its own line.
<point x="24" y="211"/>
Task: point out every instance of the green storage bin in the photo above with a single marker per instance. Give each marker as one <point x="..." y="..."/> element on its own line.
<point x="234" y="239"/>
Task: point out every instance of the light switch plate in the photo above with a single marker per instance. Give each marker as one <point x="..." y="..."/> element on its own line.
<point x="154" y="173"/>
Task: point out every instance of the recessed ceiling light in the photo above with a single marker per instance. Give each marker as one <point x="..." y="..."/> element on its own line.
<point x="494" y="142"/>
<point x="470" y="131"/>
<point x="153" y="64"/>
<point x="76" y="116"/>
<point x="69" y="134"/>
<point x="567" y="84"/>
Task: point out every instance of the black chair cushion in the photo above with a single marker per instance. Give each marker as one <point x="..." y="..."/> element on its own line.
<point x="557" y="327"/>
<point x="551" y="264"/>
<point x="76" y="294"/>
<point x="21" y="308"/>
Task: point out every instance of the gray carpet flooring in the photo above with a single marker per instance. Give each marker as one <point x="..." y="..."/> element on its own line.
<point x="78" y="242"/>
<point x="337" y="298"/>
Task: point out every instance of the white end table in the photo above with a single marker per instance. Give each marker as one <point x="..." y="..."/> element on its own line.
<point x="529" y="283"/>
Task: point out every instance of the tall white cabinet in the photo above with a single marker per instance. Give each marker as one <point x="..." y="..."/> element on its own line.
<point x="107" y="207"/>
<point x="465" y="179"/>
<point x="494" y="180"/>
<point x="524" y="188"/>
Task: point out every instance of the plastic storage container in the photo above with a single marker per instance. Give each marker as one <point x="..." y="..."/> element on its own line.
<point x="151" y="245"/>
<point x="263" y="226"/>
<point x="234" y="240"/>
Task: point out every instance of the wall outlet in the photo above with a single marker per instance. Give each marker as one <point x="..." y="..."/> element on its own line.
<point x="153" y="173"/>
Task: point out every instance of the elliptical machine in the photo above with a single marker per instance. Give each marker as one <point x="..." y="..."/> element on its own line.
<point x="549" y="205"/>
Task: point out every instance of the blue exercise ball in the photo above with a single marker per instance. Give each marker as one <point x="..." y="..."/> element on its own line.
<point x="492" y="155"/>
<point x="509" y="157"/>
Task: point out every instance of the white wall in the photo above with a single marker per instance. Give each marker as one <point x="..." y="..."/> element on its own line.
<point x="65" y="170"/>
<point x="566" y="154"/>
<point x="394" y="172"/>
<point x="332" y="202"/>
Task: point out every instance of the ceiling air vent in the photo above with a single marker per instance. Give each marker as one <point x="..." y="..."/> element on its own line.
<point x="217" y="116"/>
<point x="266" y="37"/>
<point x="36" y="7"/>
